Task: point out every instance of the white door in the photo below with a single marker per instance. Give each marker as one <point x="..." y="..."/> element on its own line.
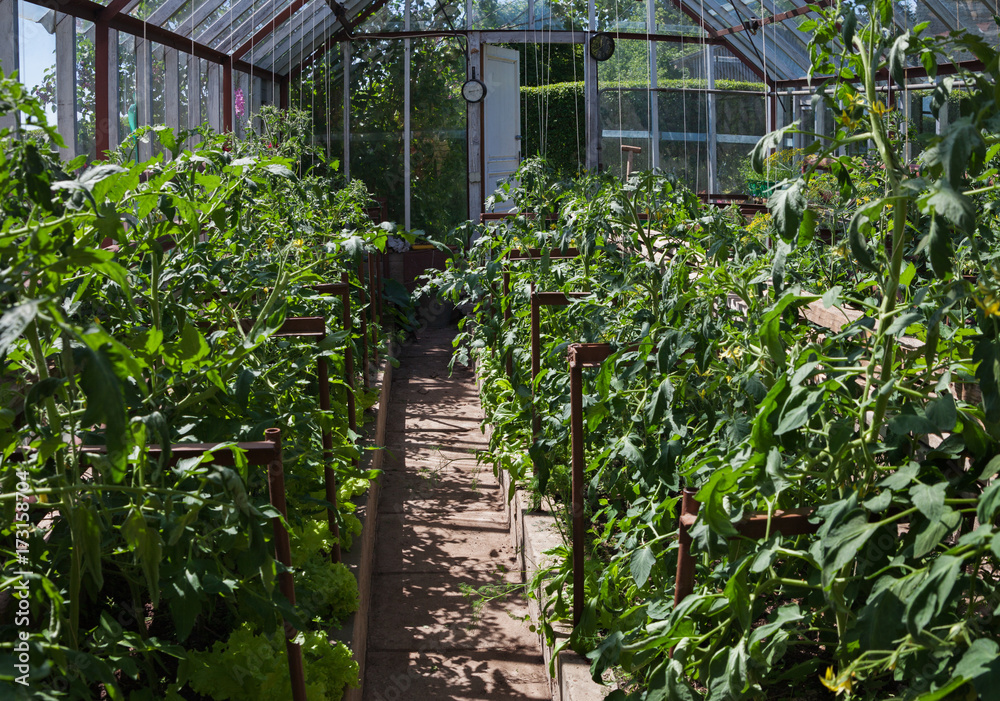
<point x="502" y="115"/>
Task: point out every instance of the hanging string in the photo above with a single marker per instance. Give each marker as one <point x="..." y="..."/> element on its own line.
<point x="326" y="61"/>
<point x="652" y="120"/>
<point x="707" y="53"/>
<point x="576" y="99"/>
<point x="684" y="108"/>
<point x="621" y="127"/>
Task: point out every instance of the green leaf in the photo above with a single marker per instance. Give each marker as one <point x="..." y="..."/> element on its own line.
<point x="903" y="322"/>
<point x="848" y="27"/>
<point x="901" y="477"/>
<point x="279" y="169"/>
<point x="807" y="228"/>
<point x="942" y="413"/>
<point x="15" y="321"/>
<point x="906" y="277"/>
<point x="105" y="404"/>
<point x="85" y="528"/>
<point x="659" y="403"/>
<point x="989" y="502"/>
<point x="979" y="659"/>
<point x="606" y="655"/>
<point x="931" y="596"/>
<point x="723" y="481"/>
<point x="961" y="149"/>
<point x="940" y="250"/>
<point x="767" y="144"/>
<point x="929" y="499"/>
<point x="943" y="200"/>
<point x="897" y="58"/>
<point x="640" y="565"/>
<point x="787" y="207"/>
<point x="147" y="549"/>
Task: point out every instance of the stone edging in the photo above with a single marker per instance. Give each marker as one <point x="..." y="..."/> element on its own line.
<point x="361" y="559"/>
<point x="532" y="533"/>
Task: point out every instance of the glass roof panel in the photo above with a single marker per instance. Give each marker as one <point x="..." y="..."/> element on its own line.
<point x="500" y="14"/>
<point x="310" y="40"/>
<point x="287" y="40"/>
<point x="428" y="15"/>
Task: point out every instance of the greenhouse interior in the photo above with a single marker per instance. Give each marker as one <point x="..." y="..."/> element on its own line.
<point x="526" y="349"/>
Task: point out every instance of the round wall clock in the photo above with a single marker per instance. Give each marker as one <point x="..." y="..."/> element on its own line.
<point x="602" y="46"/>
<point x="473" y="90"/>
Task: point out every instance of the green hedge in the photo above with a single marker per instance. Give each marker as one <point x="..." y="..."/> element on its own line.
<point x="558" y="110"/>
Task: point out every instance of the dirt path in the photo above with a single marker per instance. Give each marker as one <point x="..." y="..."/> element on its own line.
<point x="443" y="526"/>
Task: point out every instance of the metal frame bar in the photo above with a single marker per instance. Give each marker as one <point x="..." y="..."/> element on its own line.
<point x="736" y="28"/>
<point x="579" y="356"/>
<point x="88" y="10"/>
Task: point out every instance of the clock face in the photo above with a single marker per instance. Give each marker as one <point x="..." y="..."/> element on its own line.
<point x="602" y="46"/>
<point x="473" y="90"/>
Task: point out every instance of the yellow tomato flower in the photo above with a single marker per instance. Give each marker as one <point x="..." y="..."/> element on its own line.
<point x="830" y="681"/>
<point x="989" y="303"/>
<point x="298" y="243"/>
<point x="881" y="109"/>
<point x="270" y="242"/>
<point x="847" y="120"/>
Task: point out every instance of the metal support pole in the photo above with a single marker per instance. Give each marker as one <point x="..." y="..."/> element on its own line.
<point x="194" y="95"/>
<point x="536" y="363"/>
<point x="144" y="92"/>
<point x="654" y="96"/>
<point x="592" y="111"/>
<point x="507" y="316"/>
<point x="474" y="129"/>
<point x="102" y="91"/>
<point x="227" y="95"/>
<point x="346" y="49"/>
<point x="364" y="326"/>
<point x="171" y="89"/>
<point x="576" y="428"/>
<point x="684" y="584"/>
<point x="372" y="295"/>
<point x="283" y="554"/>
<point x="711" y="126"/>
<point x="352" y="415"/>
<point x="66" y="82"/>
<point x="592" y="99"/>
<point x="9" y="53"/>
<point x="407" y="126"/>
<point x="114" y="99"/>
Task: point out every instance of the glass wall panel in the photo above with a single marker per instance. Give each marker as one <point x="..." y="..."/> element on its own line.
<point x="377" y="120"/>
<point x="438" y="153"/>
<point x="157" y="93"/>
<point x="203" y="81"/>
<point x="182" y="85"/>
<point x="128" y="115"/>
<point x="683" y="124"/>
<point x="86" y="97"/>
<point x="625" y="106"/>
<point x="37" y="54"/>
